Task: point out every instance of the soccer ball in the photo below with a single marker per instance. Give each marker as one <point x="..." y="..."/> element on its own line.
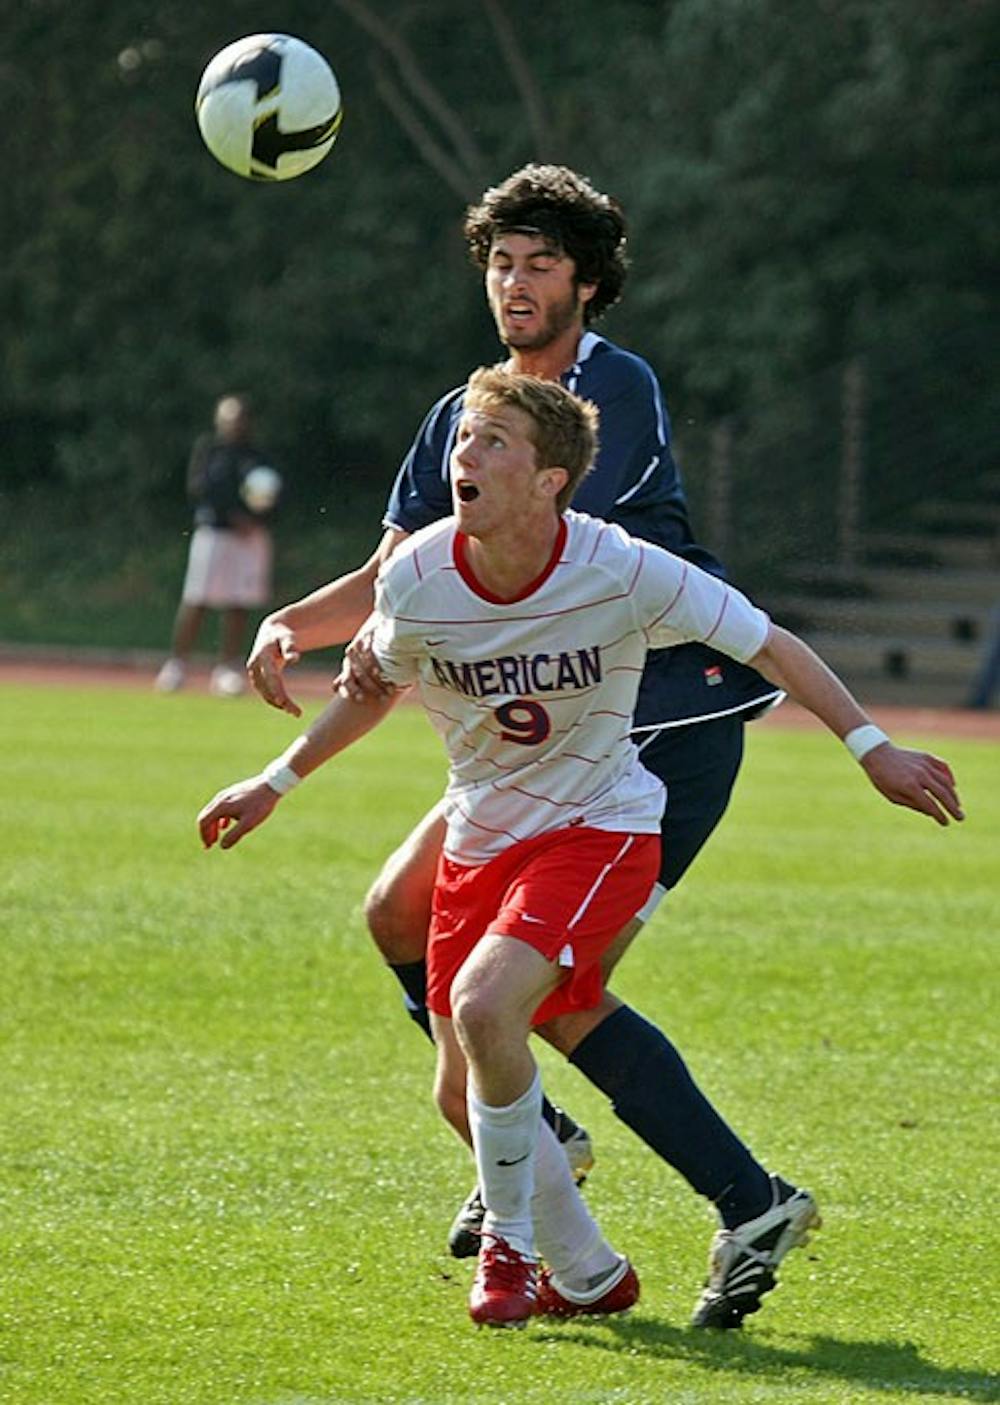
<point x="260" y="488"/>
<point x="268" y="107"/>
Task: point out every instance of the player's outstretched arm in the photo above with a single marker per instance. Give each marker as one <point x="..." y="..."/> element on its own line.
<point x="330" y="615"/>
<point x="915" y="779"/>
<point x="238" y="809"/>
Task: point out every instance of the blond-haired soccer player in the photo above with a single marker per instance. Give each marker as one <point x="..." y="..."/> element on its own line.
<point x="525" y="626"/>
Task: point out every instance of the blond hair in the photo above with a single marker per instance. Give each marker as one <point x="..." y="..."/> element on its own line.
<point x="563" y="427"/>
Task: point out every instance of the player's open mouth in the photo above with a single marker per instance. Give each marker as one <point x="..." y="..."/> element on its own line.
<point x="517" y="311"/>
<point x="466" y="492"/>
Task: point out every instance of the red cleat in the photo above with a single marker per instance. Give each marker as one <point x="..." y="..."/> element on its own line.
<point x="622" y="1294"/>
<point x="505" y="1288"/>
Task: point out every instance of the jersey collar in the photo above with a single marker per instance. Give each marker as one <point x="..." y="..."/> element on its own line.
<point x="460" y="553"/>
<point x="586" y="346"/>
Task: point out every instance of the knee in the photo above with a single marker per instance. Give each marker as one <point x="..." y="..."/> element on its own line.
<point x="397" y="920"/>
<point x="479" y="1021"/>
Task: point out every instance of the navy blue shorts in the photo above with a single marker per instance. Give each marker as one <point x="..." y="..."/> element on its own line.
<point x="698" y="764"/>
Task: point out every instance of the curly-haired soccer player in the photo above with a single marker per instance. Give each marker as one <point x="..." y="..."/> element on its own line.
<point x="553" y="253"/>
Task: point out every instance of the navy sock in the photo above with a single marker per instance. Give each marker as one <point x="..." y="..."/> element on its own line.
<point x="652" y="1092"/>
<point x="412" y="976"/>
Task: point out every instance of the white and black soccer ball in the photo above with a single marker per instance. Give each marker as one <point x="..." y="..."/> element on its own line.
<point x="268" y="107"/>
<point x="261" y="488"/>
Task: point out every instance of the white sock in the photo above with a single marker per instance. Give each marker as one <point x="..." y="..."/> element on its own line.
<point x="504" y="1140"/>
<point x="568" y="1238"/>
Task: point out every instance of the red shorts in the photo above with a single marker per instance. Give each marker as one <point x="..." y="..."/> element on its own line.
<point x="567" y="894"/>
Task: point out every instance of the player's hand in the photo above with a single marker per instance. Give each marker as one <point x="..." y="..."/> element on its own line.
<point x="914" y="779"/>
<point x="360" y="676"/>
<point x="235" y="811"/>
<point x="273" y="650"/>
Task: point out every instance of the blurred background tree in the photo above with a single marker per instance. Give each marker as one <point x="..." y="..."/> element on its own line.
<point x="805" y="182"/>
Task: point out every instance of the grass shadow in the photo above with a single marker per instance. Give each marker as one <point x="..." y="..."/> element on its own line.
<point x="876" y="1365"/>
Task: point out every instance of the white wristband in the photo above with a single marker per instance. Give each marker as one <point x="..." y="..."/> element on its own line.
<point x="861" y="740"/>
<point x="280" y="776"/>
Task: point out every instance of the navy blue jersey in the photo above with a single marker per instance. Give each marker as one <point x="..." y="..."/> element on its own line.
<point x="635" y="482"/>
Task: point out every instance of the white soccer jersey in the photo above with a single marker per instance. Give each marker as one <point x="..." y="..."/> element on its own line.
<point x="534" y="697"/>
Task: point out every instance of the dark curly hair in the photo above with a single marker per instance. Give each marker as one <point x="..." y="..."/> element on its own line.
<point x="566" y="210"/>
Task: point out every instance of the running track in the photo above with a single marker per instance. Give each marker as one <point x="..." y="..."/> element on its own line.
<point x="308" y="683"/>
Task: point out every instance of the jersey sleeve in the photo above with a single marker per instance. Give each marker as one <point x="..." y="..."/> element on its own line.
<point x="421" y="493"/>
<point x="680" y="603"/>
<point x="634" y="440"/>
<point x="397" y="651"/>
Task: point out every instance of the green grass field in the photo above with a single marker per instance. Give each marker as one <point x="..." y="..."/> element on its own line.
<point x="221" y="1177"/>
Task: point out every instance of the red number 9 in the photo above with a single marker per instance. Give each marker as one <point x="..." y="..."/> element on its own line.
<point x="524" y="722"/>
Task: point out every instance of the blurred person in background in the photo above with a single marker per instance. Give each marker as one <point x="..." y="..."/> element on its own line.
<point x="987" y="680"/>
<point x="234" y="493"/>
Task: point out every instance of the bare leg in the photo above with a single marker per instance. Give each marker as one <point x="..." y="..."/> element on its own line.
<point x="398" y="905"/>
<point x="493" y="998"/>
<point x="232" y="643"/>
<point x="187" y="626"/>
<point x="450" y="1078"/>
<point x="398" y="912"/>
